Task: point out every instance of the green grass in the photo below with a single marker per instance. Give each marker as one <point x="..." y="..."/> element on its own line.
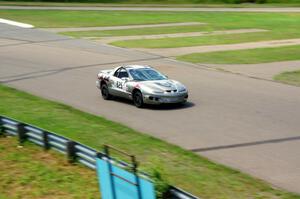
<point x="215" y="21"/>
<point x="138" y="1"/>
<point x="206" y="40"/>
<point x="54" y="18"/>
<point x="223" y="3"/>
<point x="276" y="23"/>
<point x="31" y="173"/>
<point x="138" y="31"/>
<point x="180" y="167"/>
<point x="251" y="56"/>
<point x="214" y="4"/>
<point x="291" y="77"/>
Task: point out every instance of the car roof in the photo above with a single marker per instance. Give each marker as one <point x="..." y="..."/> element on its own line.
<point x="136" y="66"/>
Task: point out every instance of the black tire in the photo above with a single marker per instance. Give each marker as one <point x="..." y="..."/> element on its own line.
<point x="104" y="92"/>
<point x="138" y="99"/>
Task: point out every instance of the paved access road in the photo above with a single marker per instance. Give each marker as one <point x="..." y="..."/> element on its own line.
<point x="249" y="124"/>
<point x="186" y="9"/>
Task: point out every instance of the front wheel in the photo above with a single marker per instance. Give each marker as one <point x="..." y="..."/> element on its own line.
<point x="104" y="92"/>
<point x="138" y="99"/>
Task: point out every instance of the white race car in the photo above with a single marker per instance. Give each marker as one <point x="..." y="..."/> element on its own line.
<point x="142" y="84"/>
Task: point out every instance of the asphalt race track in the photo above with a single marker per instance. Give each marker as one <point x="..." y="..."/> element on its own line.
<point x="246" y="123"/>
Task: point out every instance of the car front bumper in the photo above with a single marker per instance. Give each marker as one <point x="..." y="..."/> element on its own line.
<point x="165" y="99"/>
<point x="98" y="84"/>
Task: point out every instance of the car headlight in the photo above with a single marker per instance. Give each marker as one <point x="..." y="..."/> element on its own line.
<point x="158" y="92"/>
<point x="182" y="89"/>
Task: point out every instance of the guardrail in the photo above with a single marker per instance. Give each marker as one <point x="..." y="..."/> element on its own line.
<point x="176" y="193"/>
<point x="74" y="150"/>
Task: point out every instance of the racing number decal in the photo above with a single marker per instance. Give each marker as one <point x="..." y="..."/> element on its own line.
<point x="119" y="85"/>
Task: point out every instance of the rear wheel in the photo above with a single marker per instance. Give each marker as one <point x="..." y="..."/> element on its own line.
<point x="138" y="99"/>
<point x="104" y="92"/>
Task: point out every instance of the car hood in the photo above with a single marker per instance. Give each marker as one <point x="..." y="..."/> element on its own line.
<point x="163" y="85"/>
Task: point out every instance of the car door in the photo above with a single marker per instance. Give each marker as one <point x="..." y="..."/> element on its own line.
<point x="118" y="83"/>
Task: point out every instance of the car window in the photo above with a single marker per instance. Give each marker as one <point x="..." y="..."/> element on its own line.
<point x="116" y="73"/>
<point x="122" y="73"/>
<point x="146" y="74"/>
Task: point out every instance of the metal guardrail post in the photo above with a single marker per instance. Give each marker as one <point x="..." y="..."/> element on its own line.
<point x="71" y="153"/>
<point x="137" y="179"/>
<point x="45" y="140"/>
<point x="176" y="193"/>
<point x="1" y="128"/>
<point x="21" y="133"/>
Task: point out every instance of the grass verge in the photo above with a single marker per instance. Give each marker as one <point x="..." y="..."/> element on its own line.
<point x="215" y="21"/>
<point x="276" y="23"/>
<point x="291" y="77"/>
<point x="205" y="40"/>
<point x="137" y="31"/>
<point x="31" y="173"/>
<point x="59" y="18"/>
<point x="251" y="56"/>
<point x="154" y="3"/>
<point x="183" y="168"/>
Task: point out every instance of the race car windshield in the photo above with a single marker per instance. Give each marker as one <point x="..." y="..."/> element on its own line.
<point x="146" y="74"/>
